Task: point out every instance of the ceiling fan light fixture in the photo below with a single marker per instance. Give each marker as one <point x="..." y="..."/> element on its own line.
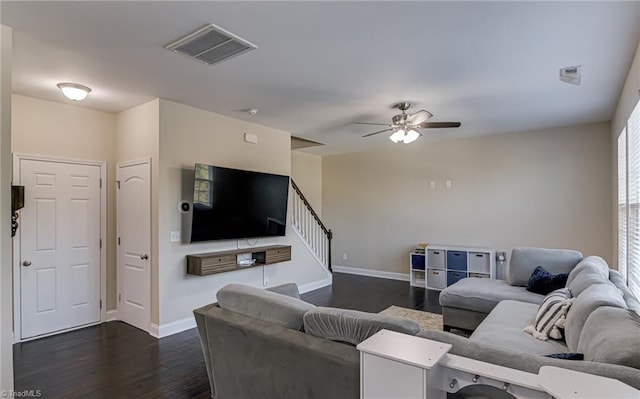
<point x="411" y="136"/>
<point x="74" y="91"/>
<point x="397" y="136"/>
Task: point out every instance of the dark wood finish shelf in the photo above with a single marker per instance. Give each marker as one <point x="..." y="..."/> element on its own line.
<point x="227" y="261"/>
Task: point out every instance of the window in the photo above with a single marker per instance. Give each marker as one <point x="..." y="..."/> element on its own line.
<point x="629" y="202"/>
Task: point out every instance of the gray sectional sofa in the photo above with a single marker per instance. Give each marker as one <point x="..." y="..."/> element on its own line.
<point x="254" y="346"/>
<point x="603" y="322"/>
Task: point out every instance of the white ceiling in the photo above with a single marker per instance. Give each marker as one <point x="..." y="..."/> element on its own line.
<point x="320" y="66"/>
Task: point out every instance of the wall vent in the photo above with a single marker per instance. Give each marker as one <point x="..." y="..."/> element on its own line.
<point x="211" y="45"/>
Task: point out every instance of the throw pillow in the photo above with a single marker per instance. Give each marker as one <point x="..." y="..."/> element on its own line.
<point x="551" y="315"/>
<point x="542" y="282"/>
<point x="566" y="356"/>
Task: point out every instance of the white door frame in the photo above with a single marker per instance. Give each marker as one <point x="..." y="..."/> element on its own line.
<point x="119" y="282"/>
<point x="17" y="313"/>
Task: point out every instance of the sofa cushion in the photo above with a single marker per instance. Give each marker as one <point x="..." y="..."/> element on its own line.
<point x="593" y="263"/>
<point x="592" y="270"/>
<point x="483" y="294"/>
<point x="551" y="315"/>
<point x="612" y="335"/>
<point x="542" y="282"/>
<point x="503" y="327"/>
<point x="524" y="261"/>
<point x="352" y="326"/>
<point x="264" y="305"/>
<point x="632" y="302"/>
<point x="588" y="301"/>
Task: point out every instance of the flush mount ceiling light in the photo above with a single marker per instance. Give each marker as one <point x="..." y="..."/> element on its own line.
<point x="74" y="91"/>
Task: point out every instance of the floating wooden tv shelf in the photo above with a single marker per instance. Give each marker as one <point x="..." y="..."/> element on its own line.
<point x="227" y="261"/>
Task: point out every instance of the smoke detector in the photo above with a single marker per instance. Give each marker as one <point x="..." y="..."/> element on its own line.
<point x="571" y="75"/>
<point x="211" y="45"/>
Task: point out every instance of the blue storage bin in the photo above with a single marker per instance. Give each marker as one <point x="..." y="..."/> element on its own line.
<point x="417" y="261"/>
<point x="457" y="260"/>
<point x="453" y="276"/>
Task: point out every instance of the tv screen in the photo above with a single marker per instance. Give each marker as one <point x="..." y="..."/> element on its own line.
<point x="232" y="203"/>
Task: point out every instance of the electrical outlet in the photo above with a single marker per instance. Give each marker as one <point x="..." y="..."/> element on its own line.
<point x="344" y="256"/>
<point x="266" y="281"/>
<point x="174" y="236"/>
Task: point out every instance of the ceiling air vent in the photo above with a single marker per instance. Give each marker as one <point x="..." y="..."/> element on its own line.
<point x="571" y="74"/>
<point x="211" y="45"/>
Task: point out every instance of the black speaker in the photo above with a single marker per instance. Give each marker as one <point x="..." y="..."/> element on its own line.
<point x="17" y="198"/>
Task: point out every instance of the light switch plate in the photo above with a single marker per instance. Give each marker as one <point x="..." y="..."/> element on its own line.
<point x="175" y="236"/>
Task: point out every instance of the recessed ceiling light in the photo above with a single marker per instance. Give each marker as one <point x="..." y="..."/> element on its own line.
<point x="74" y="91"/>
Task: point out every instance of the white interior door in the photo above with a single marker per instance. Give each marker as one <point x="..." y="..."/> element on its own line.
<point x="59" y="246"/>
<point x="134" y="243"/>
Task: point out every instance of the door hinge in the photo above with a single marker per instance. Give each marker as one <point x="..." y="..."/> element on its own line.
<point x="119" y="297"/>
<point x="101" y="304"/>
<point x="118" y="184"/>
<point x="101" y="183"/>
<point x="118" y="240"/>
<point x="101" y="243"/>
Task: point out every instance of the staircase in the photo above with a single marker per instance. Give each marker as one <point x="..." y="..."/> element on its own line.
<point x="306" y="222"/>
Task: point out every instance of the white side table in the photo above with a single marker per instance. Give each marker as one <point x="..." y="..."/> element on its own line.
<point x="400" y="366"/>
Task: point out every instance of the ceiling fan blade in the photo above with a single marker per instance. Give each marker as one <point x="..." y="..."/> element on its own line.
<point x="438" y="125"/>
<point x="369" y="123"/>
<point x="378" y="132"/>
<point x="419" y="117"/>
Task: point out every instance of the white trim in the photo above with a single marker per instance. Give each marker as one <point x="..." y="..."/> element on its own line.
<point x="314" y="285"/>
<point x="165" y="330"/>
<point x="135" y="162"/>
<point x="371" y="273"/>
<point x="17" y="313"/>
<point x="111" y="315"/>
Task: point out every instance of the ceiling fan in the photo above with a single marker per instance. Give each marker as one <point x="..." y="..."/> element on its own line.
<point x="406" y="127"/>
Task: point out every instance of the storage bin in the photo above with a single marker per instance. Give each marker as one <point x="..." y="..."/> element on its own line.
<point x="453" y="276"/>
<point x="435" y="258"/>
<point x="479" y="275"/>
<point x="419" y="279"/>
<point x="457" y="260"/>
<point x="479" y="262"/>
<point x="436" y="279"/>
<point x="417" y="261"/>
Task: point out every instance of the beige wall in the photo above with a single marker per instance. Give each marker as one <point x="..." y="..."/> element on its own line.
<point x="61" y="130"/>
<point x="628" y="100"/>
<point x="545" y="188"/>
<point x="189" y="135"/>
<point x="306" y="171"/>
<point x="6" y="282"/>
<point x="138" y="137"/>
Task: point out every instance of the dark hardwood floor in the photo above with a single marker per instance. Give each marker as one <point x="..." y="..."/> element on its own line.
<point x="115" y="360"/>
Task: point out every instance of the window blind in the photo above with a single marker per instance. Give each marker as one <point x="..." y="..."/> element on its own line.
<point x="633" y="195"/>
<point x="622" y="203"/>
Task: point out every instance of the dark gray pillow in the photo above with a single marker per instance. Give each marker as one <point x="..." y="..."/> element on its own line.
<point x="264" y="305"/>
<point x="352" y="326"/>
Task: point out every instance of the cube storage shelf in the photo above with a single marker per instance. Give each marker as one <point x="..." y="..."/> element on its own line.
<point x="443" y="265"/>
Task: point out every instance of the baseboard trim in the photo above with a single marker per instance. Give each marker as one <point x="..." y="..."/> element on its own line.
<point x="371" y="273"/>
<point x="165" y="330"/>
<point x="111" y="315"/>
<point x="304" y="288"/>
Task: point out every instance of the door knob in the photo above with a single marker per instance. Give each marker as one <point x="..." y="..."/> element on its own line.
<point x="26" y="263"/>
<point x="144" y="257"/>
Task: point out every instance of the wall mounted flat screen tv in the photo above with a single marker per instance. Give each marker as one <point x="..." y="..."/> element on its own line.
<point x="232" y="203"/>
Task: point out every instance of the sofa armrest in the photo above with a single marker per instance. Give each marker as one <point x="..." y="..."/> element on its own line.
<point x="288" y="289"/>
<point x="527" y="362"/>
